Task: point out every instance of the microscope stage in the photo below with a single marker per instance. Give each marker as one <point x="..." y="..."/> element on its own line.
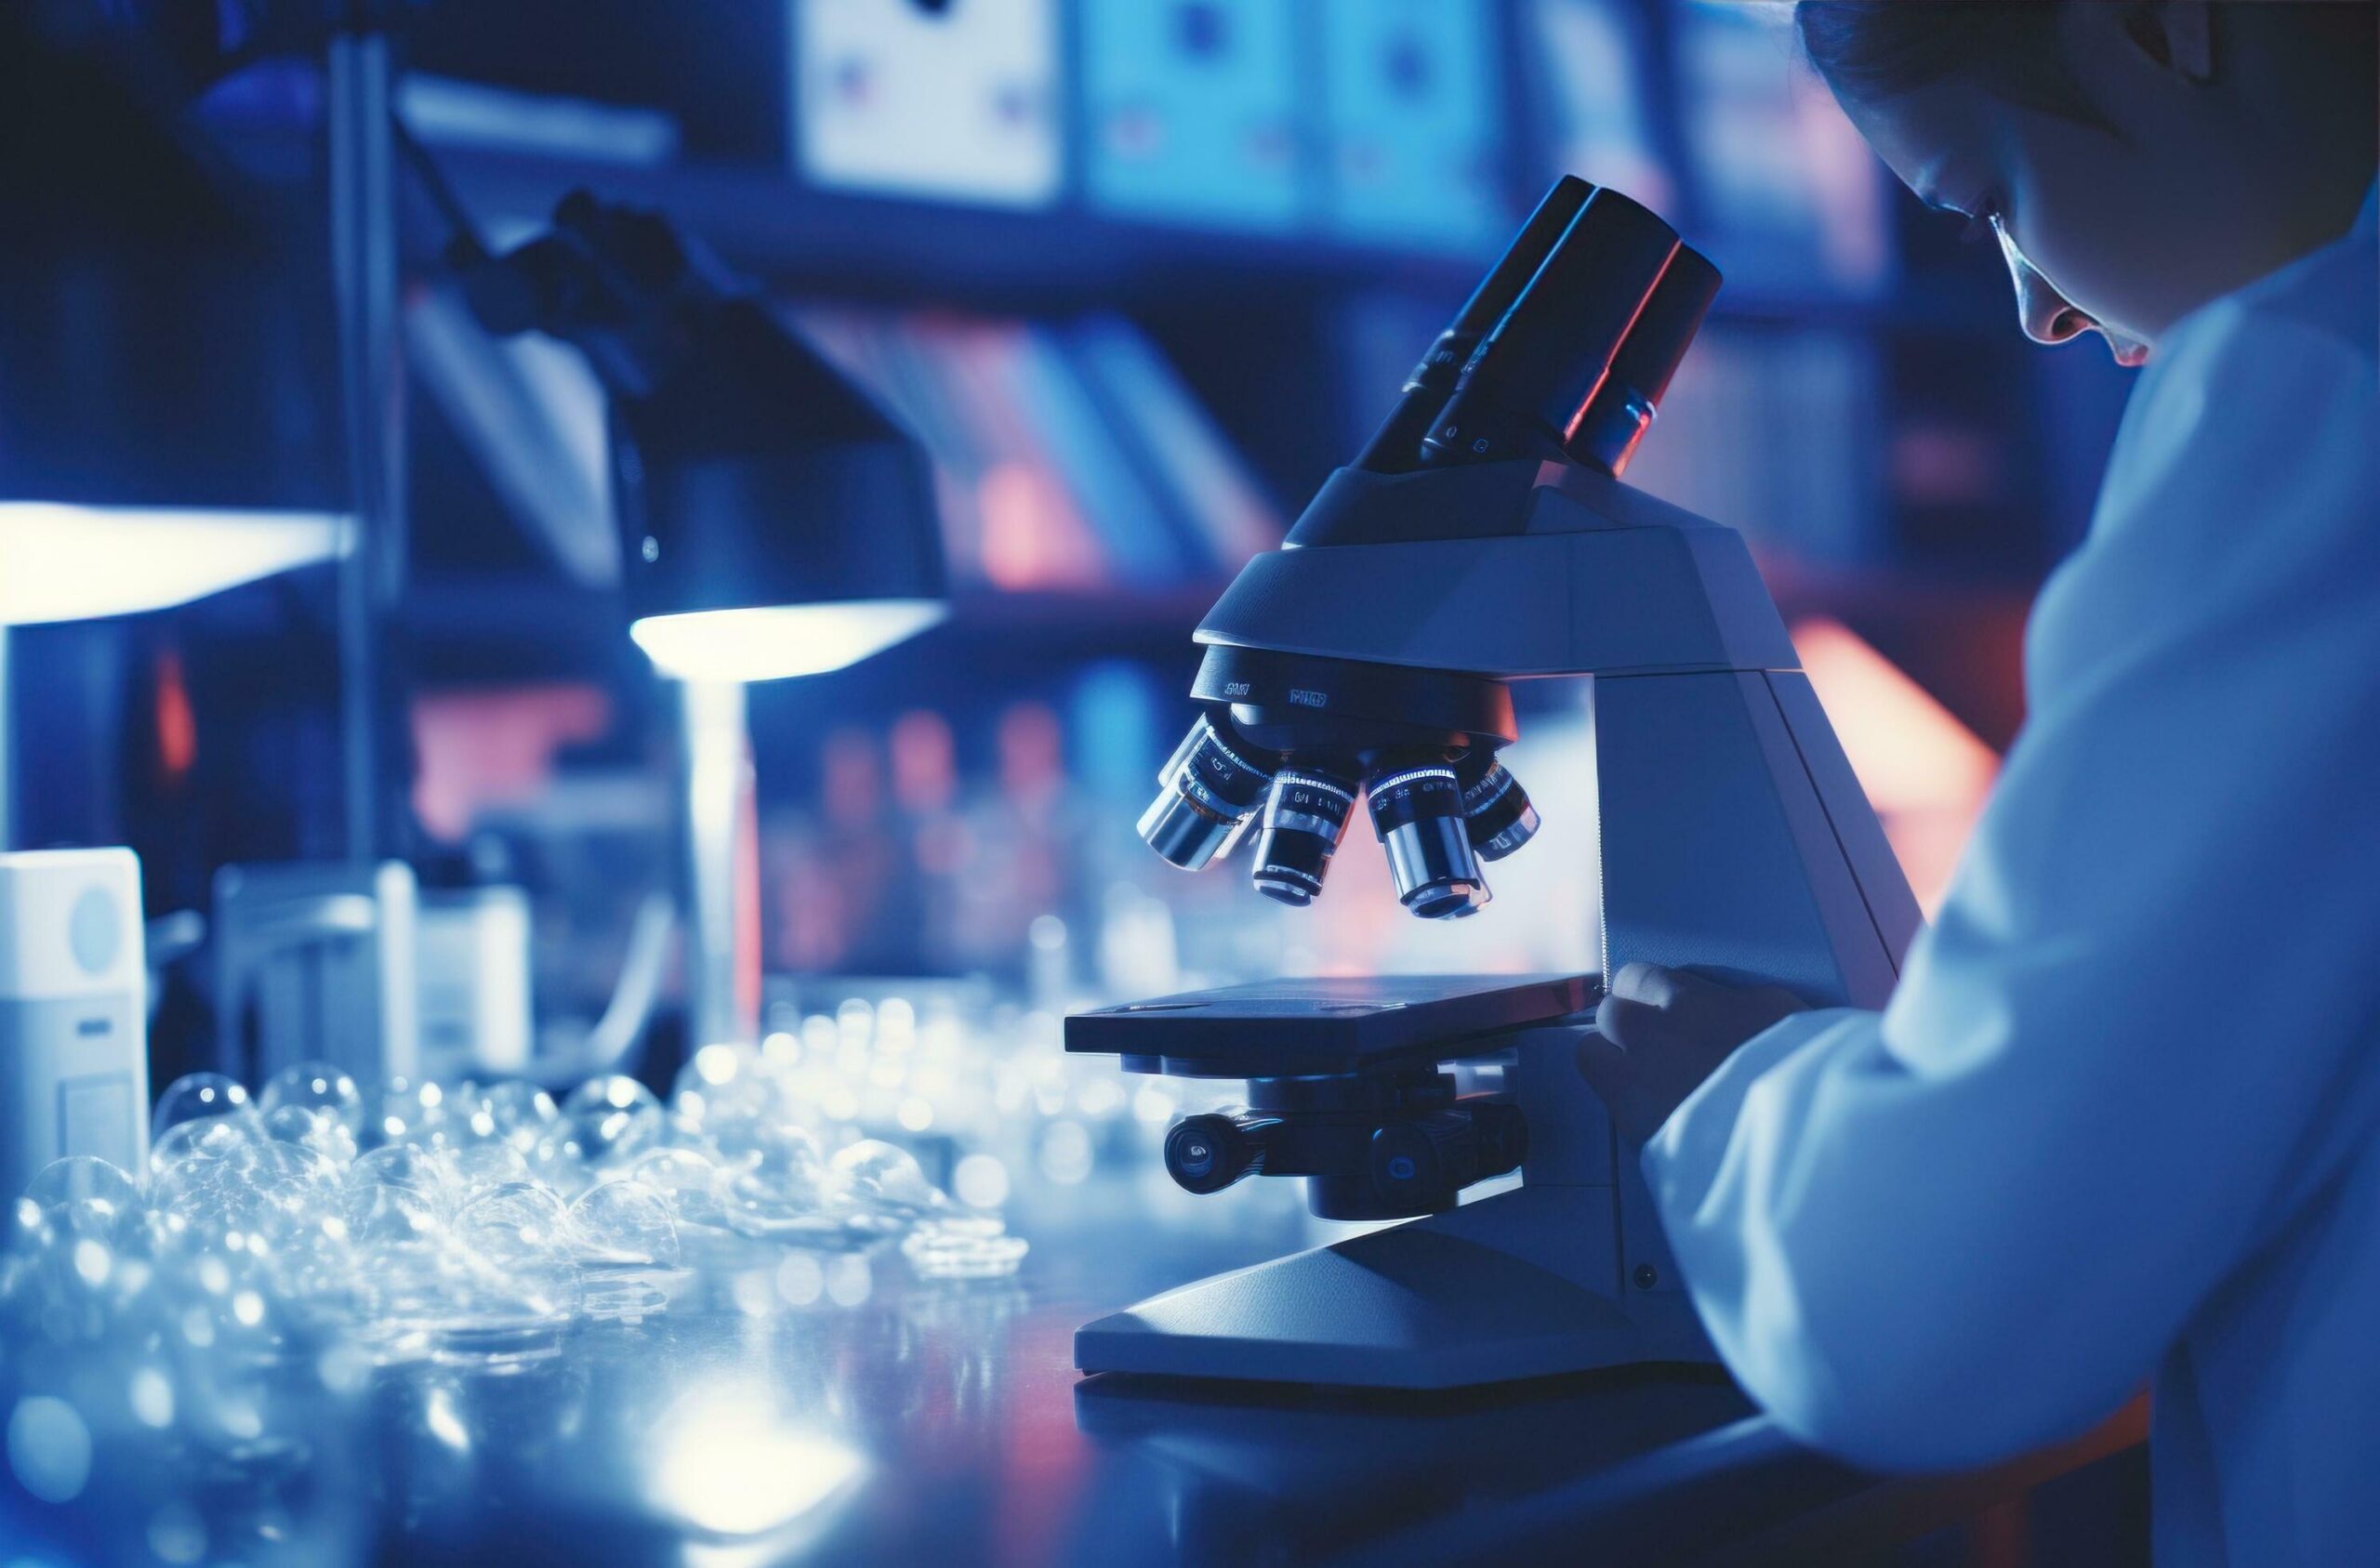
<point x="1296" y="1028"/>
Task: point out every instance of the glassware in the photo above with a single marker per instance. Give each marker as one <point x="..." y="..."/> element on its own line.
<point x="318" y="1086"/>
<point x="969" y="1248"/>
<point x="397" y="1194"/>
<point x="789" y="1194"/>
<point x="685" y="1178"/>
<point x="310" y="1129"/>
<point x="408" y="1111"/>
<point x="195" y="1096"/>
<point x="719" y="1092"/>
<point x="484" y="1161"/>
<point x="625" y="1239"/>
<point x="518" y="1111"/>
<point x="196" y="1160"/>
<point x="625" y="1222"/>
<point x="512" y="1220"/>
<point x="614" y="1118"/>
<point x="512" y="1286"/>
<point x="86" y="1195"/>
<point x="886" y="1178"/>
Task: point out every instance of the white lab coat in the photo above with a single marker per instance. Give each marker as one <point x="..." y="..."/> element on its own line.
<point x="2121" y="1120"/>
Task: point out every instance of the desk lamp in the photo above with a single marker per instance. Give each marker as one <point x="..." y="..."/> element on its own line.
<point x="158" y="441"/>
<point x="772" y="522"/>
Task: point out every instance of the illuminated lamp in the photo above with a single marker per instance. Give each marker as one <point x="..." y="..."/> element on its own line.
<point x="772" y="520"/>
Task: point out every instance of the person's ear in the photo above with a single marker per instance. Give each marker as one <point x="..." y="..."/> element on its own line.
<point x="2178" y="34"/>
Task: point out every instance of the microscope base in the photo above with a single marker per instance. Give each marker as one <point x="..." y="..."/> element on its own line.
<point x="1488" y="1293"/>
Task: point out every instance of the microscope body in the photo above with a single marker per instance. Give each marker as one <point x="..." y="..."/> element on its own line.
<point x="1484" y="538"/>
<point x="1731" y="835"/>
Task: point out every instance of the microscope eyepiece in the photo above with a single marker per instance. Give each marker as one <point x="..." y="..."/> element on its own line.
<point x="1305" y="815"/>
<point x="1397" y="445"/>
<point x="1497" y="812"/>
<point x="1615" y="418"/>
<point x="1205" y="796"/>
<point x="1417" y="812"/>
<point x="1529" y="384"/>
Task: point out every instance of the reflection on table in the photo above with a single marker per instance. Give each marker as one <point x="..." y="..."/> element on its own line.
<point x="781" y="1403"/>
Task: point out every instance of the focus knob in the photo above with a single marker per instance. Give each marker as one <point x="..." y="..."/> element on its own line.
<point x="1207" y="1153"/>
<point x="1420" y="1163"/>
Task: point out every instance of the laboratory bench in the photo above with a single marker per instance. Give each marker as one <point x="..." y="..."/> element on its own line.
<point x="795" y="1406"/>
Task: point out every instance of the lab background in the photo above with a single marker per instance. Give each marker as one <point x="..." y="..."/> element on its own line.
<point x="311" y="595"/>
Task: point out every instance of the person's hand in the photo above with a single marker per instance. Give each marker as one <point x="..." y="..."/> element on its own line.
<point x="1658" y="1032"/>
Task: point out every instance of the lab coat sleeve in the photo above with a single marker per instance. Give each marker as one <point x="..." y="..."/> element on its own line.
<point x="1970" y="1224"/>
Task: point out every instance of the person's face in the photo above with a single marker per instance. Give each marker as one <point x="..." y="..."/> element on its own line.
<point x="2105" y="226"/>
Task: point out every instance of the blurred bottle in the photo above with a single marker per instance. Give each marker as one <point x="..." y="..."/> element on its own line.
<point x="1139" y="952"/>
<point x="1048" y="966"/>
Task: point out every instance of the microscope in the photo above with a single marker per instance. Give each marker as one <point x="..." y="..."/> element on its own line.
<point x="1482" y="537"/>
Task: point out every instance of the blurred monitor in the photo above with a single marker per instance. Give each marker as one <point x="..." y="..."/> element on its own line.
<point x="1412" y="108"/>
<point x="1588" y="61"/>
<point x="1190" y="108"/>
<point x="955" y="99"/>
<point x="1789" y="198"/>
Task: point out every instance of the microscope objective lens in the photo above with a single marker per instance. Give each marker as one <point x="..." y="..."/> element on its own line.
<point x="1497" y="812"/>
<point x="1221" y="779"/>
<point x="1206" y="795"/>
<point x="1305" y="815"/>
<point x="1417" y="812"/>
<point x="1181" y="753"/>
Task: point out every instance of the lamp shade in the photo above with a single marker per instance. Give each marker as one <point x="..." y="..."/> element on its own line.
<point x="774" y="520"/>
<point x="162" y="435"/>
<point x="61" y="561"/>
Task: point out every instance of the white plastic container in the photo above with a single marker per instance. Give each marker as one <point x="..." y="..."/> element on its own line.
<point x="73" y="1020"/>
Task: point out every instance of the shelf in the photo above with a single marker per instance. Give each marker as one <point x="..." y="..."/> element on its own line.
<point x="1056" y="260"/>
<point x="799" y="236"/>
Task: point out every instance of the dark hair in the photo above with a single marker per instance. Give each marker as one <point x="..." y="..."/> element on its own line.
<point x="1871" y="50"/>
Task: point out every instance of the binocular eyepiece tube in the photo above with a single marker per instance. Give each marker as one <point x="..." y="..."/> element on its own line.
<point x="1396" y="446"/>
<point x="1575" y="369"/>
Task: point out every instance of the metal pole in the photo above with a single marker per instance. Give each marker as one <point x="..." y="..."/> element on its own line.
<point x="716" y="778"/>
<point x="372" y="389"/>
<point x="7" y="758"/>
